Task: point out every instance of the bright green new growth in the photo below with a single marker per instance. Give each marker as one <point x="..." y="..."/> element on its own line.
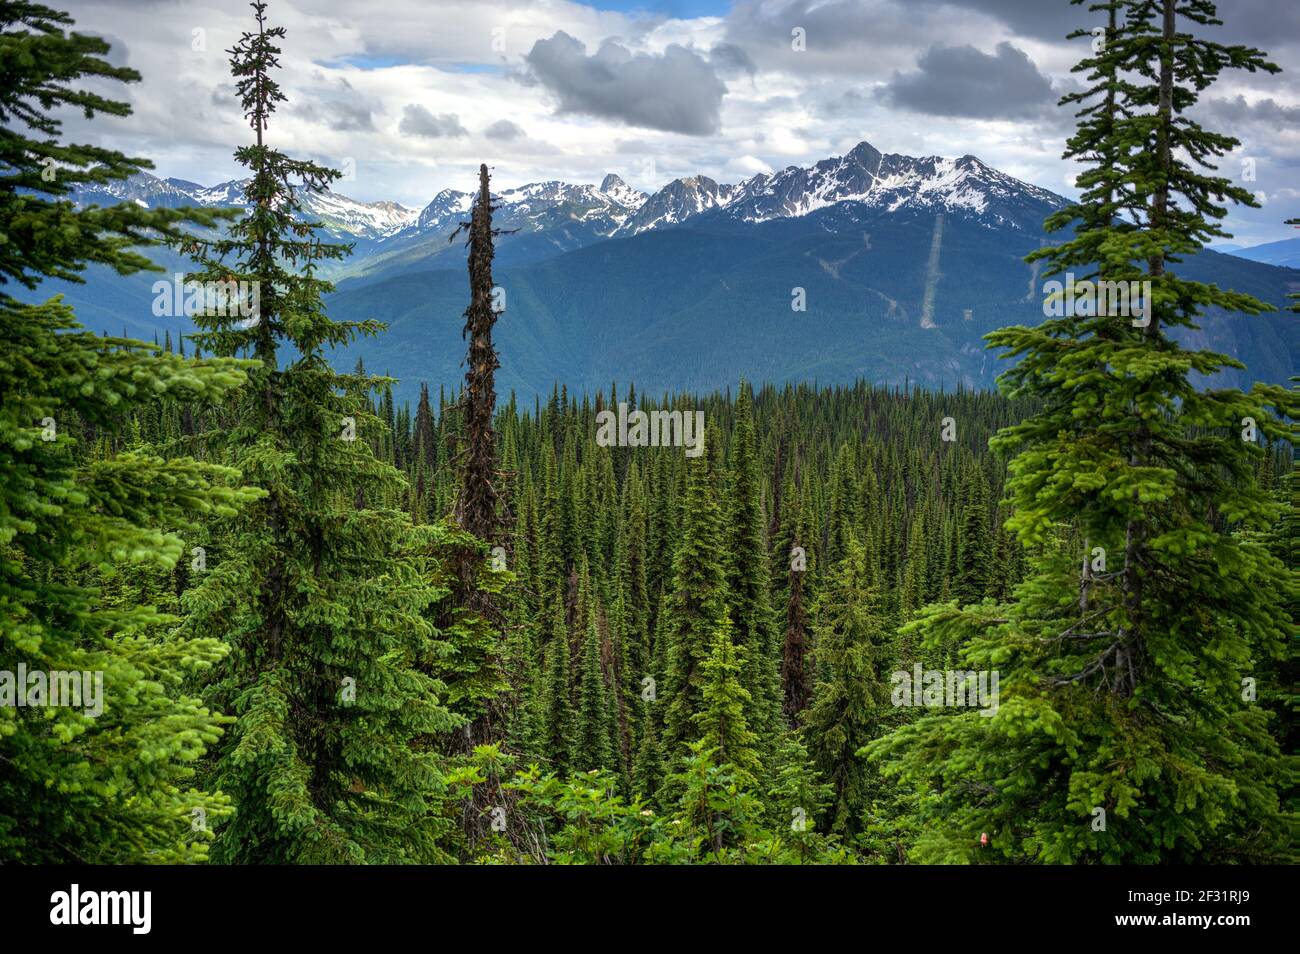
<point x="75" y="786"/>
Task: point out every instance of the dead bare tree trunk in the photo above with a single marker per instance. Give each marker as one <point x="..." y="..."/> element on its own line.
<point x="476" y="503"/>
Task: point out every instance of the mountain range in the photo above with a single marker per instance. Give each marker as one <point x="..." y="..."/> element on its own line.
<point x="1285" y="252"/>
<point x="901" y="263"/>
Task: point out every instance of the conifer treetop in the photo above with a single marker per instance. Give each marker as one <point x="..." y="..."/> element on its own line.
<point x="41" y="66"/>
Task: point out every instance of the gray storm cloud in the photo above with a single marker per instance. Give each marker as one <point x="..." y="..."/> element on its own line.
<point x="730" y="59"/>
<point x="503" y="130"/>
<point x="1263" y="22"/>
<point x="962" y="81"/>
<point x="418" y="121"/>
<point x="676" y="91"/>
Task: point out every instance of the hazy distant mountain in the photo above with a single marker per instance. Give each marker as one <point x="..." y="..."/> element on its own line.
<point x="903" y="263"/>
<point x="1285" y="252"/>
<point x="344" y="217"/>
<point x="890" y="296"/>
<point x="555" y="217"/>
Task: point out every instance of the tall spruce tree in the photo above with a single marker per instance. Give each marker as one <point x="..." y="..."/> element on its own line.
<point x="473" y="611"/>
<point x="594" y="748"/>
<point x="853" y="656"/>
<point x="695" y="607"/>
<point x="561" y="728"/>
<point x="721" y="725"/>
<point x="1123" y="732"/>
<point x="974" y="543"/>
<point x="477" y="496"/>
<point x="748" y="577"/>
<point x="634" y="598"/>
<point x="793" y="561"/>
<point x="719" y="774"/>
<point x="319" y="600"/>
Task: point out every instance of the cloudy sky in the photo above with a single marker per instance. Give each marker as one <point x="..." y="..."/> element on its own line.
<point x="410" y="95"/>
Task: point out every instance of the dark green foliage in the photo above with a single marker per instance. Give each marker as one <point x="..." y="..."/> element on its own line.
<point x="561" y="727"/>
<point x="47" y="68"/>
<point x="475" y="632"/>
<point x="1125" y="669"/>
<point x="854" y="656"/>
<point x="322" y="588"/>
<point x="105" y="775"/>
<point x="747" y="577"/>
<point x="720" y="723"/>
<point x="696" y="605"/>
<point x="594" y="747"/>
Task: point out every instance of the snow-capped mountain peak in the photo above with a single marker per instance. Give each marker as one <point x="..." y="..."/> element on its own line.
<point x="447" y="207"/>
<point x="885" y="181"/>
<point x="891" y="182"/>
<point x="538" y="206"/>
<point x="368" y="219"/>
<point x="679" y="200"/>
<point x="570" y="216"/>
<point x="336" y="212"/>
<point x="621" y="192"/>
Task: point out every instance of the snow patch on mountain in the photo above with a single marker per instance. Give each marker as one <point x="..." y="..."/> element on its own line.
<point x="619" y="191"/>
<point x="864" y="177"/>
<point x="339" y="213"/>
<point x="678" y="201"/>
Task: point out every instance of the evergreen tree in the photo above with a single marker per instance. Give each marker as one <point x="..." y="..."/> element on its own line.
<point x="476" y="501"/>
<point x="695" y="607"/>
<point x="630" y="561"/>
<point x="845" y="505"/>
<point x="720" y="723"/>
<point x="748" y="579"/>
<point x="721" y="770"/>
<point x="561" y="719"/>
<point x="853" y="654"/>
<point x="795" y="563"/>
<point x="648" y="763"/>
<point x="320" y="601"/>
<point x="594" y="749"/>
<point x="974" y="545"/>
<point x="796" y="795"/>
<point x="914" y="569"/>
<point x="424" y="442"/>
<point x="104" y="774"/>
<point x="472" y="613"/>
<point x="1122" y="686"/>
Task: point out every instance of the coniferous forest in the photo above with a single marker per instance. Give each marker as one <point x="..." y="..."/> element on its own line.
<point x="850" y="624"/>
